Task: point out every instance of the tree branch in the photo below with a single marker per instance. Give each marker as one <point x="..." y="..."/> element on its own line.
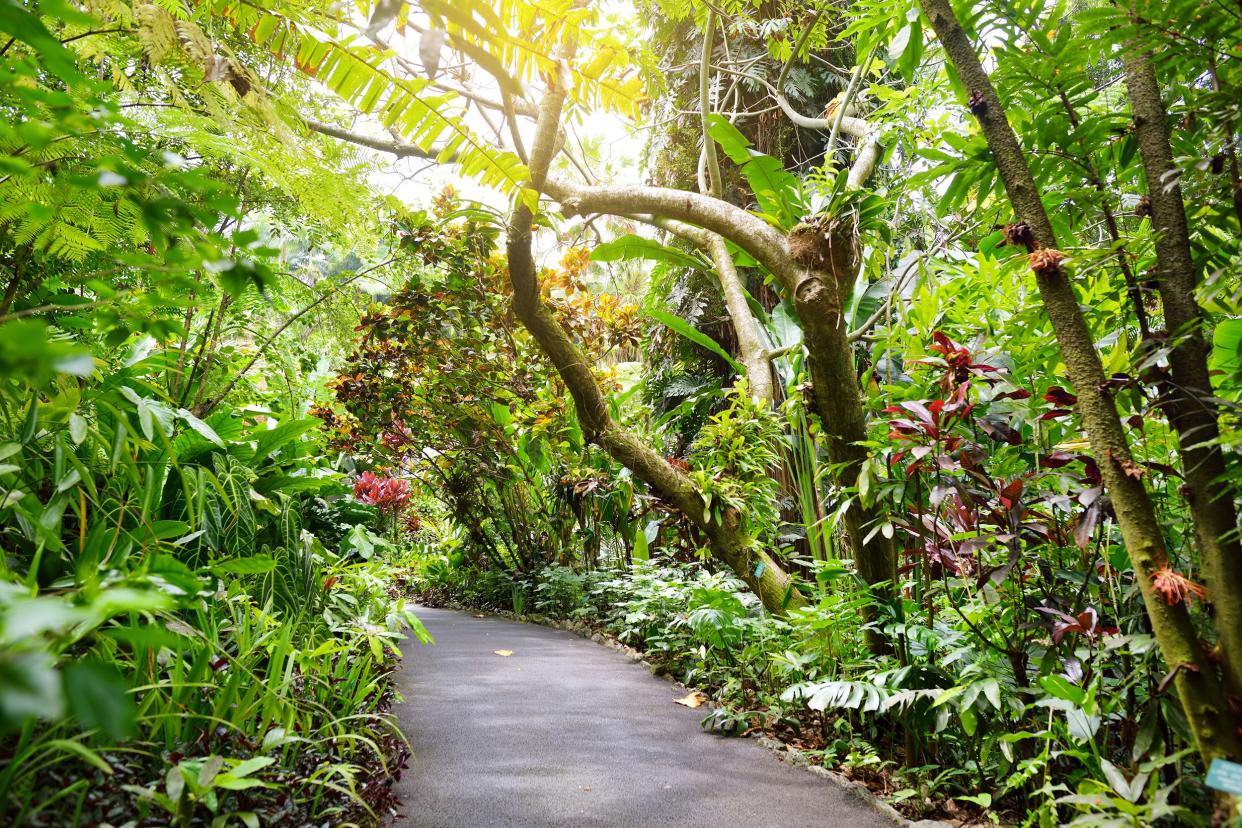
<point x="746" y="230"/>
<point x="705" y="78"/>
<point x="206" y="408"/>
<point x="392" y="146"/>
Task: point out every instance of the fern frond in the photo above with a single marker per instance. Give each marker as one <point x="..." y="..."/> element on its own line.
<point x="157" y="30"/>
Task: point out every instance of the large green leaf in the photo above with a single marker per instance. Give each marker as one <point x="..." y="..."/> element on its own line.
<point x="730" y="139"/>
<point x="1227" y="346"/>
<point x="99" y="698"/>
<point x="630" y="247"/>
<point x="778" y="191"/>
<point x="684" y="328"/>
<point x="249" y="565"/>
<point x="272" y="439"/>
<point x="190" y="444"/>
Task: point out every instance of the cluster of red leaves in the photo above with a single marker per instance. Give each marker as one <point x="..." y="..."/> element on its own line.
<point x="930" y="421"/>
<point x="1086" y="623"/>
<point x="957" y="360"/>
<point x="390" y="494"/>
<point x="398" y="437"/>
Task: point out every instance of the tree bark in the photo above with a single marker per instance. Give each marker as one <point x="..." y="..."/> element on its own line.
<point x="1198" y="685"/>
<point x="819" y="300"/>
<point x="1192" y="407"/>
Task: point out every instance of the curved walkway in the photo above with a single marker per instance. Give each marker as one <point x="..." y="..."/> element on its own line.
<point x="564" y="732"/>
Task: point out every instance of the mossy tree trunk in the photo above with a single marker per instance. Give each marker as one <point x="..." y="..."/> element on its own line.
<point x="1190" y="401"/>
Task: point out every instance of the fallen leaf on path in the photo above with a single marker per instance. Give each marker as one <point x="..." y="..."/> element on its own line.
<point x="505" y="653"/>
<point x="587" y="788"/>
<point x="694" y="699"/>
<point x="479" y="615"/>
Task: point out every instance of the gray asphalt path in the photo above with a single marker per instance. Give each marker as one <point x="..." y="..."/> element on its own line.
<point x="565" y="732"/>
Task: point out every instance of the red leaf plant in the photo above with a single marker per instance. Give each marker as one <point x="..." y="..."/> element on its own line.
<point x="390" y="494"/>
<point x="958" y="361"/>
<point x="1087" y="623"/>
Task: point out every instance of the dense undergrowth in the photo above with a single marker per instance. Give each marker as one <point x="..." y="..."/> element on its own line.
<point x="931" y="734"/>
<point x="198" y="625"/>
<point x="182" y="648"/>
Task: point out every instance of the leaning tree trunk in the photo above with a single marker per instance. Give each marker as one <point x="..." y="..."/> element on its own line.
<point x="1191" y="405"/>
<point x="1197" y="682"/>
<point x="727" y="542"/>
<point x="818" y="283"/>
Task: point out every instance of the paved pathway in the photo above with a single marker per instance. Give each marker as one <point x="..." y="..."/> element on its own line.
<point x="566" y="733"/>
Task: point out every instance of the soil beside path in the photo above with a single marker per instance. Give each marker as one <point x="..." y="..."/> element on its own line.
<point x="564" y="732"/>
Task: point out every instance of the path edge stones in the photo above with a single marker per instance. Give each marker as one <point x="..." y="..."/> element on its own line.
<point x="856" y="791"/>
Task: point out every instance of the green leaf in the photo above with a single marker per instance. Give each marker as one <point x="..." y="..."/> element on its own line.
<point x="82" y="751"/>
<point x="970" y="721"/>
<point x="1061" y="688"/>
<point x="249" y="766"/>
<point x="31" y="426"/>
<point x="1227" y="346"/>
<point x="77" y="428"/>
<point x="252" y="565"/>
<point x="272" y="439"/>
<point x="640" y="552"/>
<point x="948" y="695"/>
<point x="98" y="698"/>
<point x="729" y="137"/>
<point x="630" y="247"/>
<point x="201" y="428"/>
<point x="684" y="328"/>
<point x="363" y="542"/>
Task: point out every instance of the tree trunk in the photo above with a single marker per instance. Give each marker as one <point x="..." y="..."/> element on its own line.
<point x="750" y="346"/>
<point x="1197" y="683"/>
<point x="838" y="401"/>
<point x="1191" y="405"/>
<point x="818" y="292"/>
